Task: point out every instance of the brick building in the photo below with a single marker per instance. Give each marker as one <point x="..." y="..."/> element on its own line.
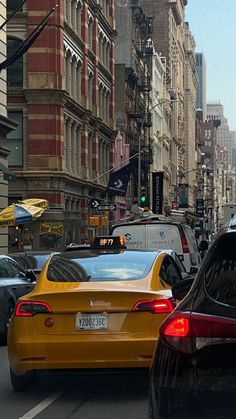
<point x="6" y="126"/>
<point x="61" y="93"/>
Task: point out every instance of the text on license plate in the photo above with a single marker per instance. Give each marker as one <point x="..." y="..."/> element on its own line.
<point x="91" y="321"/>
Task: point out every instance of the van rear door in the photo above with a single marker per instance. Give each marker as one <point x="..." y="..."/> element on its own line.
<point x="135" y="235"/>
<point x="164" y="236"/>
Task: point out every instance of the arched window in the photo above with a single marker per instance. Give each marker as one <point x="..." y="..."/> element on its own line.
<point x="15" y="70"/>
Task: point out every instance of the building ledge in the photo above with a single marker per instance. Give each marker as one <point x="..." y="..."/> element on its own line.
<point x="7" y="125"/>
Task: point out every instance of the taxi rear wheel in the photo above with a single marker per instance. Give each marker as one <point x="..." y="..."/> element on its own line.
<point x="21" y="382"/>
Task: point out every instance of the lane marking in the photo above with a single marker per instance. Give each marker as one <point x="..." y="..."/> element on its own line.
<point x="41" y="406"/>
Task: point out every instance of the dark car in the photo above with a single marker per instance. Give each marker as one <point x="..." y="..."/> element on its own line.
<point x="193" y="372"/>
<point x="183" y="271"/>
<point x="31" y="260"/>
<point x="14" y="282"/>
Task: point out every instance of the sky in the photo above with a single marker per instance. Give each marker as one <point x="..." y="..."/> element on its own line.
<point x="213" y="25"/>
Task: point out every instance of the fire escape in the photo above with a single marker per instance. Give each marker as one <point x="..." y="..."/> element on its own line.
<point x="138" y="93"/>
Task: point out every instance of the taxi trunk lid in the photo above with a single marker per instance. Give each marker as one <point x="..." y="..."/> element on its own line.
<point x="99" y="311"/>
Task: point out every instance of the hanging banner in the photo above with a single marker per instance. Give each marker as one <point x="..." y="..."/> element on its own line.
<point x="183" y="195"/>
<point x="157" y="192"/>
<point x="118" y="181"/>
<point x="200" y="207"/>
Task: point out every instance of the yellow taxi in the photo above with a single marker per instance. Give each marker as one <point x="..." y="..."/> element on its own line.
<point x="92" y="307"/>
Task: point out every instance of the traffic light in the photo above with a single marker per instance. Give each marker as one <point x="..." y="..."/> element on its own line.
<point x="143" y="197"/>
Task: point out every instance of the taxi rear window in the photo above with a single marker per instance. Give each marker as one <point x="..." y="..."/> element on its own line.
<point x="124" y="266"/>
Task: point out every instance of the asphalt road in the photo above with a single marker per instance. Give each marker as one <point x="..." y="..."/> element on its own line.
<point x="90" y="397"/>
<point x="111" y="397"/>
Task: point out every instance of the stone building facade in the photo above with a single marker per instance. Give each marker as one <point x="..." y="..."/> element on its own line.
<point x="160" y="130"/>
<point x="133" y="58"/>
<point x="64" y="104"/>
<point x="190" y="93"/>
<point x="168" y="39"/>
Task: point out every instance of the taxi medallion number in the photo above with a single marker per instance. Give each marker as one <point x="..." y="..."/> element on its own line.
<point x="91" y="321"/>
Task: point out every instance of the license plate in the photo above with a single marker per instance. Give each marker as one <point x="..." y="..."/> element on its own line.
<point x="91" y="321"/>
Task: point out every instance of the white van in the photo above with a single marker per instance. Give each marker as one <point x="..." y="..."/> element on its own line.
<point x="147" y="234"/>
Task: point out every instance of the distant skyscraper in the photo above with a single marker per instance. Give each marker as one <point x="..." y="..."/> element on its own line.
<point x="201" y="91"/>
<point x="225" y="137"/>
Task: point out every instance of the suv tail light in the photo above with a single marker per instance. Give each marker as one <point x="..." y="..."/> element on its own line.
<point x="189" y="332"/>
<point x="30" y="308"/>
<point x="185" y="245"/>
<point x="157" y="306"/>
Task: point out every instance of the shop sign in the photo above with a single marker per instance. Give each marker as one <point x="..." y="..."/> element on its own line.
<point x="51" y="228"/>
<point x="157" y="191"/>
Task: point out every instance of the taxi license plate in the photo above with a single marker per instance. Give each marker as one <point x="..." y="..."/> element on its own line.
<point x="91" y="321"/>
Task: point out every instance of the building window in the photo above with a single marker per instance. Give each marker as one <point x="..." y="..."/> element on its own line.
<point x="13" y="4"/>
<point x="90" y="151"/>
<point x="79" y="18"/>
<point x="90" y="32"/>
<point x="15" y="70"/>
<point x="90" y="91"/>
<point x="15" y="140"/>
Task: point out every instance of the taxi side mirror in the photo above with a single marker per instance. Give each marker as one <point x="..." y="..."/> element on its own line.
<point x="181" y="288"/>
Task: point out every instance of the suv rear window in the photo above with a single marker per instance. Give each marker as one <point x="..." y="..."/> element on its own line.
<point x="220" y="277"/>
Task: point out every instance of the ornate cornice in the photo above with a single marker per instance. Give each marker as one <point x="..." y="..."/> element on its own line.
<point x="49" y="96"/>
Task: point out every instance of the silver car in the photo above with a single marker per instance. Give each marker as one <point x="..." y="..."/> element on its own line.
<point x="14" y="282"/>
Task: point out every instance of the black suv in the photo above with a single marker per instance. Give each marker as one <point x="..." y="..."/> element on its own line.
<point x="193" y="373"/>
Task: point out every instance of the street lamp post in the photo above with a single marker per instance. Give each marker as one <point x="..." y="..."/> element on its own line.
<point x="160" y="102"/>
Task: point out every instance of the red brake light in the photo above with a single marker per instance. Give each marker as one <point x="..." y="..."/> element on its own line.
<point x="156" y="306"/>
<point x="185" y="245"/>
<point x="177" y="327"/>
<point x="189" y="332"/>
<point x="30" y="308"/>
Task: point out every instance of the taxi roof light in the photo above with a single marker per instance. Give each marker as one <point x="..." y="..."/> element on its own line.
<point x="109" y="242"/>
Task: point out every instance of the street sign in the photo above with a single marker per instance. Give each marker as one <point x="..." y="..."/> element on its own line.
<point x="106" y="207"/>
<point x="94" y="203"/>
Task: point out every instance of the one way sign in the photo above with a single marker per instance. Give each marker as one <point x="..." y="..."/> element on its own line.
<point x="106" y="207"/>
<point x="94" y="203"/>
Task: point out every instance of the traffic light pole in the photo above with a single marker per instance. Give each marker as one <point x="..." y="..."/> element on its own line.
<point x="160" y="102"/>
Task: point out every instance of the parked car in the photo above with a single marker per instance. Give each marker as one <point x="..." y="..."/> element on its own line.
<point x="152" y="233"/>
<point x="14" y="282"/>
<point x="193" y="370"/>
<point x="33" y="260"/>
<point x="102" y="305"/>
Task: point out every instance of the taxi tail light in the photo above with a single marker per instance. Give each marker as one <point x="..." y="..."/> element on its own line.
<point x="157" y="306"/>
<point x="185" y="245"/>
<point x="189" y="332"/>
<point x="30" y="308"/>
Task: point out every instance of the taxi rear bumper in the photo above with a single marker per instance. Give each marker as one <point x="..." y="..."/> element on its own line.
<point x="69" y="353"/>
